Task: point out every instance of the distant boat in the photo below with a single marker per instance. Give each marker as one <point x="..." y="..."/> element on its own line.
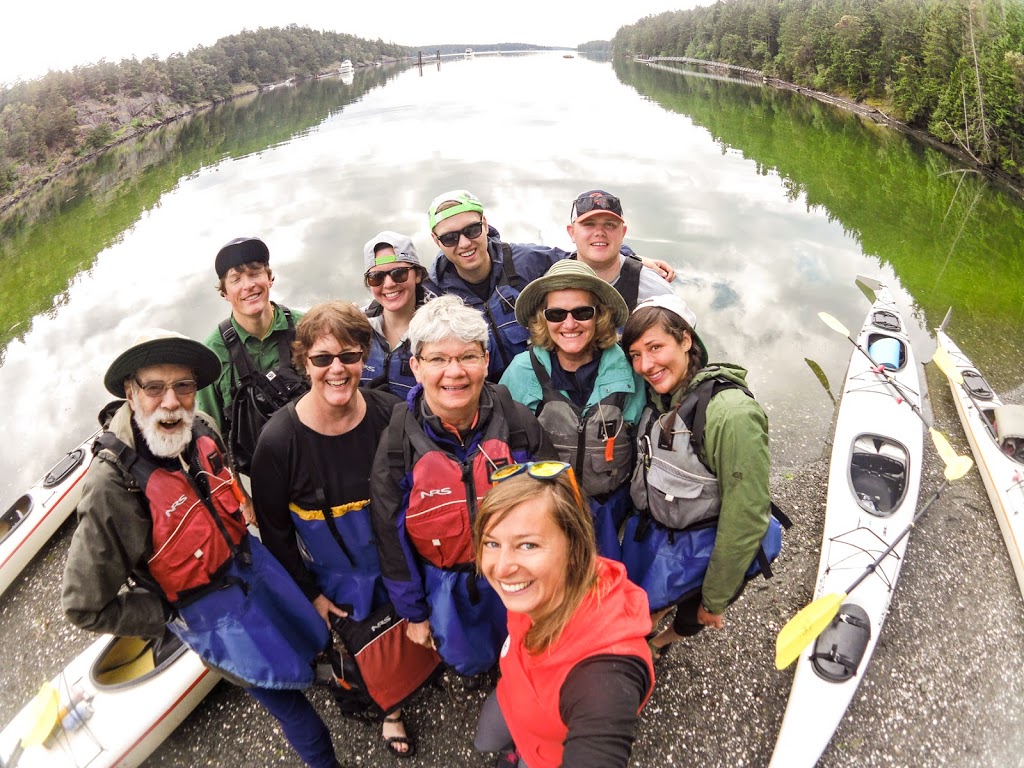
<point x="346" y="65"/>
<point x="469" y="52"/>
<point x="568" y="56"/>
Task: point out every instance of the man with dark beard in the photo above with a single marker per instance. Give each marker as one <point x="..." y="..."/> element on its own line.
<point x="161" y="544"/>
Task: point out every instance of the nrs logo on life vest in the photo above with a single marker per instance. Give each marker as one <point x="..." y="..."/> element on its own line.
<point x="436" y="492"/>
<point x="181" y="500"/>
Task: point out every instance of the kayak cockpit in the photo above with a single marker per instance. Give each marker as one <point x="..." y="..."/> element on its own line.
<point x="17" y="512"/>
<point x="1009" y="423"/>
<point x="878" y="474"/>
<point x="127" y="661"/>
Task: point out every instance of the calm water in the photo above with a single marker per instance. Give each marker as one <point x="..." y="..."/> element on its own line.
<point x="767" y="204"/>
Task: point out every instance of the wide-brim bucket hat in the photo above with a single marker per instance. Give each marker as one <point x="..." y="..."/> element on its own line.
<point x="161" y="347"/>
<point x="569" y="274"/>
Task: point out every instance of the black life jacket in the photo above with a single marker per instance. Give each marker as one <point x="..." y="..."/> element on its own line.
<point x="197" y="524"/>
<point x="257" y="395"/>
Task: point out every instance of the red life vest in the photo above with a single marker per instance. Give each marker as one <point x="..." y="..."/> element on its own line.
<point x="613" y="619"/>
<point x="444" y="498"/>
<point x="196" y="532"/>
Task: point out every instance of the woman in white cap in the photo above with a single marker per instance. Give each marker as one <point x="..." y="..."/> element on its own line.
<point x="704" y="522"/>
<point x="577" y="381"/>
<point x="399" y="286"/>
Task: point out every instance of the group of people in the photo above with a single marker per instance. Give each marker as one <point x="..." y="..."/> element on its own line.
<point x="523" y="450"/>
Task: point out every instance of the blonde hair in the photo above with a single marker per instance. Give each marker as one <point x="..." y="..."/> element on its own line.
<point x="575" y="523"/>
<point x="606" y="335"/>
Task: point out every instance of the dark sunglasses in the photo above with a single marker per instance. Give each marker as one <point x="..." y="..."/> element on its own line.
<point x="556" y="315"/>
<point x="448" y="239"/>
<point x="324" y="360"/>
<point x="398" y="274"/>
<point x="595" y="201"/>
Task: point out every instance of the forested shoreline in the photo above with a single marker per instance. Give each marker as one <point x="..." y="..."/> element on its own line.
<point x="951" y="68"/>
<point x="49" y="124"/>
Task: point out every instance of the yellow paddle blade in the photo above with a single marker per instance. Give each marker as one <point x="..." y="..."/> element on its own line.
<point x="799" y="631"/>
<point x="944" y="361"/>
<point x="956" y="466"/>
<point x="834" y="324"/>
<point x="42" y="716"/>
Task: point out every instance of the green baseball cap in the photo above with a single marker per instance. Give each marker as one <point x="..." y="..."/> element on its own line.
<point x="464" y="201"/>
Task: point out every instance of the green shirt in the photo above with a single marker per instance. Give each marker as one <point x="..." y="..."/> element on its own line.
<point x="215" y="399"/>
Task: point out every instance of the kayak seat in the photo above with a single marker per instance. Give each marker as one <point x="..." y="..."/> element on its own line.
<point x="17" y="512"/>
<point x="976" y="385"/>
<point x="839" y="650"/>
<point x="1009" y="421"/>
<point x="878" y="482"/>
<point x="126" y="660"/>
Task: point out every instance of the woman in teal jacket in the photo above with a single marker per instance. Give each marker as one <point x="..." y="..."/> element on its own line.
<point x="577" y="381"/>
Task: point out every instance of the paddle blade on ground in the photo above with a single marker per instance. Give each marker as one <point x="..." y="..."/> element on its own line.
<point x="834" y="324"/>
<point x="799" y="631"/>
<point x="944" y="361"/>
<point x="956" y="466"/>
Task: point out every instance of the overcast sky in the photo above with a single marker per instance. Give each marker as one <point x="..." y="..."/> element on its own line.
<point x="39" y="36"/>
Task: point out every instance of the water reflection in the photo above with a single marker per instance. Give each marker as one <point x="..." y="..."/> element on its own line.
<point x="767" y="205"/>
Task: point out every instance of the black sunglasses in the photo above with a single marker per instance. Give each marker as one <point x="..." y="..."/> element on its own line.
<point x="448" y="239"/>
<point x="595" y="201"/>
<point x="376" y="279"/>
<point x="556" y="315"/>
<point x="324" y="360"/>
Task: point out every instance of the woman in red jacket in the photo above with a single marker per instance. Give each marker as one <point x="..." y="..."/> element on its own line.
<point x="576" y="627"/>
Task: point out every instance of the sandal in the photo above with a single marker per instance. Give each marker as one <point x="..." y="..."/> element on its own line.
<point x="408" y="741"/>
<point x="656" y="652"/>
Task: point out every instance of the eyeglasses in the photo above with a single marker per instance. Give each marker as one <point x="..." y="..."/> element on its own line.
<point x="539" y="470"/>
<point x="399" y="275"/>
<point x="324" y="360"/>
<point x="155" y="389"/>
<point x="440" y="362"/>
<point x="558" y="315"/>
<point x="448" y="239"/>
<point x="595" y="201"/>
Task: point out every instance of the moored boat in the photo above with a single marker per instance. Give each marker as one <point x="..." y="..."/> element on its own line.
<point x="995" y="431"/>
<point x="115" y="704"/>
<point x="873" y="485"/>
<point x="31" y="520"/>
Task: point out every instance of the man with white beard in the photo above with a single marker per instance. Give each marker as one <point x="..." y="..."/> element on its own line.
<point x="161" y="543"/>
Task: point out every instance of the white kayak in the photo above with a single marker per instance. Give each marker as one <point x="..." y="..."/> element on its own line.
<point x="115" y="704"/>
<point x="996" y="433"/>
<point x="31" y="520"/>
<point x="873" y="485"/>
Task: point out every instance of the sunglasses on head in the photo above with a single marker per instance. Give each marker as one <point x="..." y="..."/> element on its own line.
<point x="539" y="470"/>
<point x="595" y="201"/>
<point x="398" y="274"/>
<point x="558" y="315"/>
<point x="325" y="359"/>
<point x="448" y="239"/>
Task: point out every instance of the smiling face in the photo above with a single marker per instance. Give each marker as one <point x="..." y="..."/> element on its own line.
<point x="598" y="239"/>
<point x="574" y="339"/>
<point x="452" y="391"/>
<point x="524" y="558"/>
<point x="392" y="296"/>
<point x="469" y="256"/>
<point x="336" y="385"/>
<point x="165" y="421"/>
<point x="661" y="359"/>
<point x="247" y="289"/>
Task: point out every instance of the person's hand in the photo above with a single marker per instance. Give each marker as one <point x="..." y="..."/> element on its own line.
<point x="710" y="620"/>
<point x="663" y="268"/>
<point x="419" y="633"/>
<point x="326" y="608"/>
<point x="248" y="513"/>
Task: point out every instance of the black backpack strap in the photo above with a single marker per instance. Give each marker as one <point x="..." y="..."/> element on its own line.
<point x="140" y="468"/>
<point x="284" y="340"/>
<point x="628" y="284"/>
<point x="509" y="269"/>
<point x="697" y="419"/>
<point x="518" y="437"/>
<point x="240" y="359"/>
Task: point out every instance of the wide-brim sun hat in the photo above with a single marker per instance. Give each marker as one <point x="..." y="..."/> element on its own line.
<point x="160" y="347"/>
<point x="569" y="274"/>
<point x="675" y="304"/>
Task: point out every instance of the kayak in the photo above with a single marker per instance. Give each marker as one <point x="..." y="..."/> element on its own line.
<point x="114" y="705"/>
<point x="873" y="485"/>
<point x="995" y="431"/>
<point x="31" y="520"/>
